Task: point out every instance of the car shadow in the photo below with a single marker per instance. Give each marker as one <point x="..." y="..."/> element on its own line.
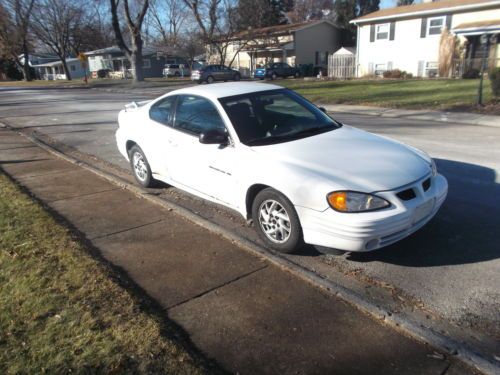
<point x="464" y="231"/>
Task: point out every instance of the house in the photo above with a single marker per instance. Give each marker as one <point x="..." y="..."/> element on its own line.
<point x="295" y="44"/>
<point x="408" y="37"/>
<point x="116" y="63"/>
<point x="54" y="70"/>
<point x="38" y="58"/>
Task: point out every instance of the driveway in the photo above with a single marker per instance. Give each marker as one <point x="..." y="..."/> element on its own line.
<point x="451" y="267"/>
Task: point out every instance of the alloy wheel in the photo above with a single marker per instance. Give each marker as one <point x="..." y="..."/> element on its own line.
<point x="274" y="221"/>
<point x="140" y="167"/>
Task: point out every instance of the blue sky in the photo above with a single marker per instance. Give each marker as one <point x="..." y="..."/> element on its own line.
<point x="391" y="3"/>
<point x="387" y="3"/>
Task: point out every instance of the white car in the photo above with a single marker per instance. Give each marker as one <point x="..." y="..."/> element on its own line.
<point x="280" y="161"/>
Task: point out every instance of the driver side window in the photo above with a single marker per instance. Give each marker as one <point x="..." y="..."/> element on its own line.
<point x="196" y="115"/>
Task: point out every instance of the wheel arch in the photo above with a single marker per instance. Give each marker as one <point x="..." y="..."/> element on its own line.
<point x="252" y="192"/>
<point x="129" y="144"/>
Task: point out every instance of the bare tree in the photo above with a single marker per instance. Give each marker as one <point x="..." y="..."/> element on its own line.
<point x="134" y="26"/>
<point x="404" y="2"/>
<point x="91" y="32"/>
<point x="15" y="22"/>
<point x="190" y="45"/>
<point x="217" y="21"/>
<point x="54" y="24"/>
<point x="167" y="18"/>
<point x="309" y="10"/>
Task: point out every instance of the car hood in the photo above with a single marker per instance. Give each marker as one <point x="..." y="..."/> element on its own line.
<point x="352" y="159"/>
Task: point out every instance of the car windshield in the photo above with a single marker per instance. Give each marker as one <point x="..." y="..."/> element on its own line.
<point x="275" y="116"/>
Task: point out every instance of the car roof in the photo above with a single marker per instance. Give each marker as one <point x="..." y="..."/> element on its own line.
<point x="222" y="90"/>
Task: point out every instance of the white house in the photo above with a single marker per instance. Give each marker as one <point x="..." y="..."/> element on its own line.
<point x="54" y="70"/>
<point x="408" y="37"/>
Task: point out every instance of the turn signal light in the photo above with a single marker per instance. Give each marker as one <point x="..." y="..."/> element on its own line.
<point x="338" y="200"/>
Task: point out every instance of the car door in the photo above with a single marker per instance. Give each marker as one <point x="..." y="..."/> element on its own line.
<point x="159" y="135"/>
<point x="205" y="168"/>
<point x="287" y="70"/>
<point x="228" y="73"/>
<point x="218" y="74"/>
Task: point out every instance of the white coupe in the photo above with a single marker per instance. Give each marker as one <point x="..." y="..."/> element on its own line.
<point x="281" y="162"/>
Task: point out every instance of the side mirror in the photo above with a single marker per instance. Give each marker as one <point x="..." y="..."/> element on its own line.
<point x="322" y="109"/>
<point x="213" y="136"/>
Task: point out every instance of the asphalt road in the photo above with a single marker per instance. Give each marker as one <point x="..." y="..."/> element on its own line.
<point x="451" y="266"/>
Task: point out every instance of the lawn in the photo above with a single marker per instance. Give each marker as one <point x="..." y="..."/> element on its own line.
<point x="442" y="94"/>
<point x="64" y="311"/>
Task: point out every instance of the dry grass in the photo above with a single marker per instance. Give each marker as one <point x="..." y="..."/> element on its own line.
<point x="63" y="311"/>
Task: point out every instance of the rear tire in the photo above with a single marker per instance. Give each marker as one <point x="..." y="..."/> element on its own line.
<point x="274" y="76"/>
<point x="276" y="221"/>
<point x="140" y="167"/>
<point x="297" y="75"/>
<point x="237" y="77"/>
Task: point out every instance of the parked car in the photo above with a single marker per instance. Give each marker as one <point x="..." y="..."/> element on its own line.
<point x="279" y="160"/>
<point x="212" y="73"/>
<point x="275" y="70"/>
<point x="176" y="70"/>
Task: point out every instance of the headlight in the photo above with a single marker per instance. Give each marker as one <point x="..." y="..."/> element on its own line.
<point x="349" y="201"/>
<point x="433" y="168"/>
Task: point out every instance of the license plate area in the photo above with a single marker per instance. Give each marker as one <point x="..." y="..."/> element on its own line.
<point x="423" y="211"/>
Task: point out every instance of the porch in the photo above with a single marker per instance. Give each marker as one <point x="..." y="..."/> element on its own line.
<point x="481" y="46"/>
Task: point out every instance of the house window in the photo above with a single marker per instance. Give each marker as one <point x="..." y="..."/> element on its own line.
<point x="380" y="69"/>
<point x="382" y="31"/>
<point x="72" y="67"/>
<point x="146" y="63"/>
<point x="431" y="69"/>
<point x="436" y="25"/>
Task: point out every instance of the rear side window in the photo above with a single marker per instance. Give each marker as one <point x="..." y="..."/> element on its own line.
<point x="196" y="115"/>
<point x="161" y="111"/>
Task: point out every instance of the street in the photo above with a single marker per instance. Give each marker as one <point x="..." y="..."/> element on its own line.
<point x="450" y="267"/>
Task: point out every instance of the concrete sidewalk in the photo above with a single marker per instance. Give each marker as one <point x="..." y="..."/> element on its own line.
<point x="249" y="315"/>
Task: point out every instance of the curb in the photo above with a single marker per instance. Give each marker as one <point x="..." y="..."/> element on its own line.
<point x="400" y="322"/>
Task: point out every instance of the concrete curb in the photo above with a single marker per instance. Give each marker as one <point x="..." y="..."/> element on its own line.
<point x="398" y="321"/>
<point x="421" y="115"/>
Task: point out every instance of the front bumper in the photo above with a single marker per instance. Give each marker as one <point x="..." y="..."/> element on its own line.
<point x="373" y="230"/>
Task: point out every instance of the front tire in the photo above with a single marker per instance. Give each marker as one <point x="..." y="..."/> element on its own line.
<point x="140" y="167"/>
<point x="237" y="77"/>
<point x="210" y="79"/>
<point x="276" y="221"/>
<point x="274" y="76"/>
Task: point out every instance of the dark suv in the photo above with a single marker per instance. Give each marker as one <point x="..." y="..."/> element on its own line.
<point x="275" y="70"/>
<point x="212" y="73"/>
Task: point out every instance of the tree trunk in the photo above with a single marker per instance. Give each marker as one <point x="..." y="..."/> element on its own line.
<point x="65" y="68"/>
<point x="26" y="65"/>
<point x="136" y="59"/>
